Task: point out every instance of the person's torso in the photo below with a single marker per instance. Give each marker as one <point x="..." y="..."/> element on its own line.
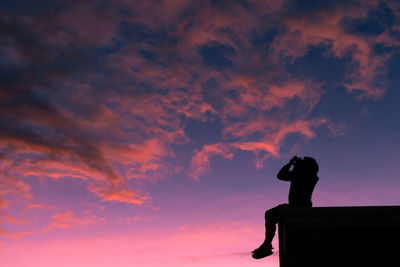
<point x="301" y="188"/>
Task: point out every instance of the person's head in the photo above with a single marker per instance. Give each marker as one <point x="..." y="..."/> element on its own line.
<point x="306" y="163"/>
<point x="310" y="164"/>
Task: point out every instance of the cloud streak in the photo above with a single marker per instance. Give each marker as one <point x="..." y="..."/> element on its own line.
<point x="68" y="219"/>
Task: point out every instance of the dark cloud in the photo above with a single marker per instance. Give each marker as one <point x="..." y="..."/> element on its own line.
<point x="213" y="94"/>
<point x="33" y="8"/>
<point x="234" y="37"/>
<point x="312" y="7"/>
<point x="224" y="3"/>
<point x="137" y="32"/>
<point x="381" y="49"/>
<point x="264" y="38"/>
<point x="217" y="55"/>
<point x="141" y="33"/>
<point x="148" y="55"/>
<point x="377" y="21"/>
<point x="320" y="64"/>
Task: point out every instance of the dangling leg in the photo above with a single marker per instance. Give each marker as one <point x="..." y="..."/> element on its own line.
<point x="271" y="219"/>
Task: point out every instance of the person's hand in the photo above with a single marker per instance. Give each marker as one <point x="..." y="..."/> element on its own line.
<point x="293" y="160"/>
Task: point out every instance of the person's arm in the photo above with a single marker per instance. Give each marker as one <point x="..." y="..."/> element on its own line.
<point x="285" y="174"/>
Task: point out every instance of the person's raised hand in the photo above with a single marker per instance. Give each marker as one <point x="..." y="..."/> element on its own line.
<point x="293" y="160"/>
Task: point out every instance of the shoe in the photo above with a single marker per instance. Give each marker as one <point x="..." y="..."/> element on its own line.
<point x="262" y="248"/>
<point x="262" y="254"/>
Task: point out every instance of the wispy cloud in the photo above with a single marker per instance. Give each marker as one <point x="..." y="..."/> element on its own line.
<point x="69" y="219"/>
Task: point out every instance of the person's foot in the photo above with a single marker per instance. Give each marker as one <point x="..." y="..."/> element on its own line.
<point x="262" y="254"/>
<point x="262" y="248"/>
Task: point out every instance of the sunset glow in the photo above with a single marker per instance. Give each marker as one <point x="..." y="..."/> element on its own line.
<point x="149" y="133"/>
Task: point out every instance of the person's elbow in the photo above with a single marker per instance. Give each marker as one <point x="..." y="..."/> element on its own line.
<point x="282" y="176"/>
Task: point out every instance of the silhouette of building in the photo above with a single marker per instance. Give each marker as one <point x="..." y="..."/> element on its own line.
<point x="340" y="237"/>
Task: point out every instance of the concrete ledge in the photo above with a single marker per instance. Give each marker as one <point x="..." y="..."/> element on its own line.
<point x="340" y="236"/>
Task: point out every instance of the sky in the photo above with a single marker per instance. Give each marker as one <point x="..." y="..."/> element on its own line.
<point x="149" y="133"/>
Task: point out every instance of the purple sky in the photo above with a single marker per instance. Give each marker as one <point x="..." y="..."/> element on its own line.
<point x="150" y="132"/>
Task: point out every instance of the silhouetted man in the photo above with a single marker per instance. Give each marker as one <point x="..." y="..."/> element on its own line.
<point x="303" y="178"/>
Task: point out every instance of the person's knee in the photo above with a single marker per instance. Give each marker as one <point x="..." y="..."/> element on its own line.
<point x="271" y="216"/>
<point x="268" y="215"/>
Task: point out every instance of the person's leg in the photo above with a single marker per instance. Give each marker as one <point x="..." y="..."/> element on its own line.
<point x="271" y="219"/>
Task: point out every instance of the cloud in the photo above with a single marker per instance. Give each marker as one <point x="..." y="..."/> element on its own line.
<point x="34" y="206"/>
<point x="137" y="219"/>
<point x="105" y="92"/>
<point x="69" y="219"/>
<point x="16" y="235"/>
<point x="119" y="195"/>
<point x="266" y="146"/>
<point x="13" y="220"/>
<point x="201" y="160"/>
<point x="325" y="26"/>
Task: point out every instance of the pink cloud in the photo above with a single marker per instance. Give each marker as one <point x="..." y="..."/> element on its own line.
<point x="88" y="24"/>
<point x="264" y="96"/>
<point x="17" y="235"/>
<point x="272" y="141"/>
<point x="200" y="162"/>
<point x="325" y="28"/>
<point x="69" y="219"/>
<point x="139" y="158"/>
<point x="274" y="134"/>
<point x="13" y="220"/>
<point x="12" y="190"/>
<point x="137" y="219"/>
<point x="308" y="91"/>
<point x="3" y="204"/>
<point x="34" y="206"/>
<point x="123" y="195"/>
